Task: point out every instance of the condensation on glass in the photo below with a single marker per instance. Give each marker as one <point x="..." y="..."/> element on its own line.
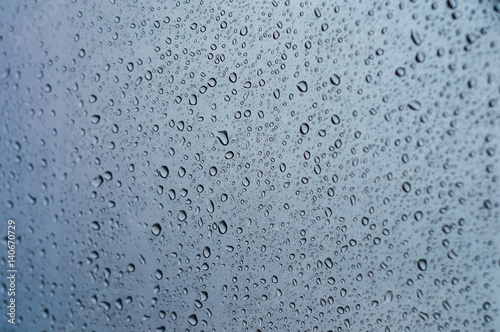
<point x="252" y="165"/>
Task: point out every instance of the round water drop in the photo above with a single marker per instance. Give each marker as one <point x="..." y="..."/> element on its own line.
<point x="182" y="215"/>
<point x="420" y="57"/>
<point x="418" y="215"/>
<point x="233" y="77"/>
<point x="156" y="229"/>
<point x="335" y="119"/>
<point x="164" y="171"/>
<point x="206" y="252"/>
<point x="222" y="227"/>
<point x="335" y="79"/>
<point x="400" y="72"/>
<point x="422" y="264"/>
<point x="304" y="128"/>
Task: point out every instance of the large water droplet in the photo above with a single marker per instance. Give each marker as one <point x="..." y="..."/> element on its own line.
<point x="156" y="229"/>
<point x="302" y="86"/>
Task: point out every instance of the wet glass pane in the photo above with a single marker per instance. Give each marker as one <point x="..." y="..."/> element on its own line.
<point x="250" y="165"/>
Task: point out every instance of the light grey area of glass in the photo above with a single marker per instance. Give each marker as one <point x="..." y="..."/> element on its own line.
<point x="251" y="165"/>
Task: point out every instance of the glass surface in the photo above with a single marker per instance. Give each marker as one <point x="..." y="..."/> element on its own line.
<point x="251" y="165"/>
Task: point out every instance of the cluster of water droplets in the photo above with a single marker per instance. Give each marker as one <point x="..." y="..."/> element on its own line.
<point x="252" y="166"/>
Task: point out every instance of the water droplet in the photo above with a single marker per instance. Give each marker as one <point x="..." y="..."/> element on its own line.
<point x="302" y="86"/>
<point x="206" y="252"/>
<point x="317" y="12"/>
<point x="158" y="274"/>
<point x="415" y="37"/>
<point x="304" y="128"/>
<point x="400" y="72"/>
<point x="182" y="215"/>
<point x="335" y="119"/>
<point x="335" y="79"/>
<point x="193" y="320"/>
<point x="193" y="100"/>
<point x="156" y="229"/>
<point x="422" y="264"/>
<point x="164" y="172"/>
<point x="223" y="137"/>
<point x="222" y="227"/>
<point x="415" y="105"/>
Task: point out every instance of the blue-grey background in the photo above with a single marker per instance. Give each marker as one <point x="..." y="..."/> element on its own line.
<point x="251" y="165"/>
